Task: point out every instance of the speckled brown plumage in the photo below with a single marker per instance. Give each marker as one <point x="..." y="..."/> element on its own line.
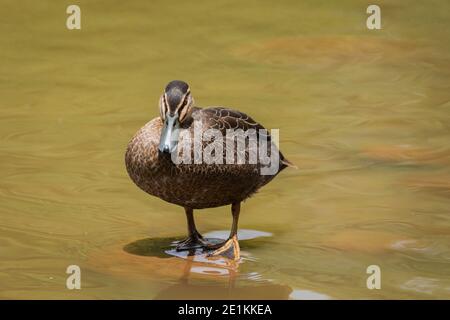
<point x="195" y="186"/>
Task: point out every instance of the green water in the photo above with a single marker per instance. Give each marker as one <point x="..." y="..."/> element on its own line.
<point x="363" y="113"/>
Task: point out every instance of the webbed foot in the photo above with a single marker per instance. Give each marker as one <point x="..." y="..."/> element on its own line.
<point x="194" y="241"/>
<point x="229" y="249"/>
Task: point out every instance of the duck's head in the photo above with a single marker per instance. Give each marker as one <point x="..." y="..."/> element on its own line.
<point x="175" y="106"/>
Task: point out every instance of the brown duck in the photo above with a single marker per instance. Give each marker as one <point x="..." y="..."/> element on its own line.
<point x="198" y="184"/>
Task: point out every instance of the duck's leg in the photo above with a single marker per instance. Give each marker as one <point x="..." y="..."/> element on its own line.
<point x="229" y="248"/>
<point x="194" y="239"/>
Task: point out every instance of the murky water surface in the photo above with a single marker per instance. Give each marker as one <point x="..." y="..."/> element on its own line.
<point x="364" y="114"/>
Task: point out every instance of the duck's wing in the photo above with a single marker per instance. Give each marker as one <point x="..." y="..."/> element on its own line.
<point x="221" y="118"/>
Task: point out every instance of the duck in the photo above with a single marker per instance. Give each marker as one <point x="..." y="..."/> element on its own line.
<point x="152" y="160"/>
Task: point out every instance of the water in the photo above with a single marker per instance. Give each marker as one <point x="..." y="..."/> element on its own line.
<point x="363" y="114"/>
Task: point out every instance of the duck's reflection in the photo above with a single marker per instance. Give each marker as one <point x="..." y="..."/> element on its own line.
<point x="203" y="277"/>
<point x="231" y="286"/>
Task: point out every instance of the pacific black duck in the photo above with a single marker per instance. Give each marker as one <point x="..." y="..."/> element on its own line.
<point x="199" y="184"/>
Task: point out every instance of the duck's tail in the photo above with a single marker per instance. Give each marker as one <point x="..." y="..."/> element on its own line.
<point x="287" y="163"/>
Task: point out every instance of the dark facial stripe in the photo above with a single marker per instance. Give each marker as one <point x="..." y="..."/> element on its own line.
<point x="183" y="109"/>
<point x="166" y="105"/>
<point x="186" y="98"/>
<point x="182" y="113"/>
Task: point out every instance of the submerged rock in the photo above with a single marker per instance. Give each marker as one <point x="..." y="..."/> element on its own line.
<point x="363" y="241"/>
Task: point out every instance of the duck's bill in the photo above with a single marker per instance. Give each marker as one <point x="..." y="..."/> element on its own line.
<point x="169" y="134"/>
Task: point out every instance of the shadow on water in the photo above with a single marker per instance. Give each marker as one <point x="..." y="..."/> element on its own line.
<point x="151" y="247"/>
<point x="164" y="247"/>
